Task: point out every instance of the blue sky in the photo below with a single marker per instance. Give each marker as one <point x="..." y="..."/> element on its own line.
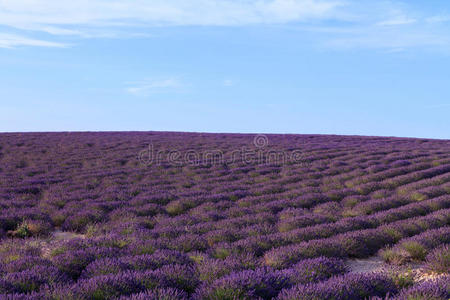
<point x="282" y="66"/>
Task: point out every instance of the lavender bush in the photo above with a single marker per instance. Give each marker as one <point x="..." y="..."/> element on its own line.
<point x="438" y="260"/>
<point x="351" y="286"/>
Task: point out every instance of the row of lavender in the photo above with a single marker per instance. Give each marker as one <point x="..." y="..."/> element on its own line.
<point x="227" y="229"/>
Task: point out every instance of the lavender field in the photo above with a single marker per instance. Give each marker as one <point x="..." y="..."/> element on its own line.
<point x="148" y="215"/>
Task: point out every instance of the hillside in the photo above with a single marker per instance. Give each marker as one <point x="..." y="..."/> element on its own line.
<point x="159" y="215"/>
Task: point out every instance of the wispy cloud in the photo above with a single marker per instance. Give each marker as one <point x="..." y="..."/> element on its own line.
<point x="53" y="16"/>
<point x="228" y="82"/>
<point x="343" y="24"/>
<point x="389" y="26"/>
<point x="12" y="41"/>
<point x="438" y="19"/>
<point x="391" y="39"/>
<point x="400" y="20"/>
<point x="147" y="87"/>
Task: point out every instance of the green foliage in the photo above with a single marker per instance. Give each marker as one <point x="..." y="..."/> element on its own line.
<point x="415" y="250"/>
<point x="391" y="256"/>
<point x="418" y="196"/>
<point x="402" y="279"/>
<point x="22" y="231"/>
